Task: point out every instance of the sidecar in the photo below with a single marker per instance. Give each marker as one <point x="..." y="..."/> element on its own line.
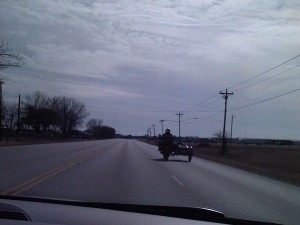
<point x="175" y="149"/>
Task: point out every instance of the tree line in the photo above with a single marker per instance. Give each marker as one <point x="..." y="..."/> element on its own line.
<point x="43" y="115"/>
<point x="39" y="112"/>
<point x="96" y="128"/>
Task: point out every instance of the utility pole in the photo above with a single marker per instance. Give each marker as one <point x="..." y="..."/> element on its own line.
<point x="153" y="125"/>
<point x="179" y="115"/>
<point x="225" y="96"/>
<point x="149" y="133"/>
<point x="231" y="129"/>
<point x="10" y="125"/>
<point x="1" y="108"/>
<point x="19" y="108"/>
<point x="162" y="126"/>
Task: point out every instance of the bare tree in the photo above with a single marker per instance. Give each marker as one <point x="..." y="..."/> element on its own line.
<point x="62" y="112"/>
<point x="38" y="100"/>
<point x="78" y="114"/>
<point x="8" y="59"/>
<point x="9" y="109"/>
<point x="219" y="135"/>
<point x="93" y="123"/>
<point x="9" y="117"/>
<point x="70" y="113"/>
<point x="39" y="113"/>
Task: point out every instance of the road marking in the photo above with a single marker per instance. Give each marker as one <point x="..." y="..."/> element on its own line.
<point x="177" y="180"/>
<point x="40" y="178"/>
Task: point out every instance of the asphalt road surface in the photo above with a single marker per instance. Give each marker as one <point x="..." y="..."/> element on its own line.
<point x="129" y="171"/>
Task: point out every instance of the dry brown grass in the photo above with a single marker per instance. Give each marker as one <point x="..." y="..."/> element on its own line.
<point x="28" y="141"/>
<point x="279" y="162"/>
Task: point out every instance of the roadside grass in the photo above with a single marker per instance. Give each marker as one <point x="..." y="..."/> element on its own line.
<point x="278" y="162"/>
<point x="32" y="141"/>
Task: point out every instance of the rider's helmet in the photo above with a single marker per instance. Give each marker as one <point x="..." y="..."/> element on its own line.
<point x="168" y="131"/>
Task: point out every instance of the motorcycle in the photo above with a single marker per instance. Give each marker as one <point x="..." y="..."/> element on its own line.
<point x="175" y="149"/>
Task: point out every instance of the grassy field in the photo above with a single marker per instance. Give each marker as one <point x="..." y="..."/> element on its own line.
<point x="279" y="162"/>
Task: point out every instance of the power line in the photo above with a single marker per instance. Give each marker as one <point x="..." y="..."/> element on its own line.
<point x="133" y="110"/>
<point x="203" y="101"/>
<point x="235" y="85"/>
<point x="268" y="87"/>
<point x="268" y="99"/>
<point x="147" y="111"/>
<point x="204" y="111"/>
<point x="275" y="75"/>
<point x="260" y="74"/>
<point x="205" y="118"/>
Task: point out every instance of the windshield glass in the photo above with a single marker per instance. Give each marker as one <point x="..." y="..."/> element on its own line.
<point x="96" y="97"/>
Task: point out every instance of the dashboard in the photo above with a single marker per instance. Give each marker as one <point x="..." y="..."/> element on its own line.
<point x="34" y="211"/>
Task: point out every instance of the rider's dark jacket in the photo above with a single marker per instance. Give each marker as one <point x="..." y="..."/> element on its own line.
<point x="167" y="138"/>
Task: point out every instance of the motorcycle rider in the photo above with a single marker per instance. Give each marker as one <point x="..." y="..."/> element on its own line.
<point x="167" y="138"/>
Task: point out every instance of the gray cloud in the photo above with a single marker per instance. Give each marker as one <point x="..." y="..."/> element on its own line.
<point x="159" y="56"/>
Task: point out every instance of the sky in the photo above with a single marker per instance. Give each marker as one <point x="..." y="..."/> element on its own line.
<point x="135" y="63"/>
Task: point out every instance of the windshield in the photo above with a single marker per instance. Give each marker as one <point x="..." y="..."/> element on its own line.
<point x="96" y="95"/>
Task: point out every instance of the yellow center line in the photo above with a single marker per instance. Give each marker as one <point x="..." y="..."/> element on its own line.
<point x="40" y="178"/>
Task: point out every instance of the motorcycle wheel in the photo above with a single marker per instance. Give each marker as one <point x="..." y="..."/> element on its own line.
<point x="190" y="157"/>
<point x="166" y="156"/>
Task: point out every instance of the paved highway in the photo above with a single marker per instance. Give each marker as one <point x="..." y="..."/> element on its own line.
<point x="128" y="171"/>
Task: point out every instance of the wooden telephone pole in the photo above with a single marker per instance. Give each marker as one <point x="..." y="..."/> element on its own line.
<point x="1" y="108"/>
<point x="179" y="116"/>
<point x="162" y="126"/>
<point x="225" y="96"/>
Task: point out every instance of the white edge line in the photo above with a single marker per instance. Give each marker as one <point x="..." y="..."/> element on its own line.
<point x="177" y="180"/>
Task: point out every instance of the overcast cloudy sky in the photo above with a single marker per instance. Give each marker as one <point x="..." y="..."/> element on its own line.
<point x="136" y="62"/>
